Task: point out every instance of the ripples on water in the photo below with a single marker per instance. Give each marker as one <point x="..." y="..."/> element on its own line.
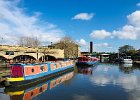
<point x="101" y="82"/>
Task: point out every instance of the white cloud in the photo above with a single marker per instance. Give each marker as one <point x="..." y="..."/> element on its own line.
<point x="103" y="45"/>
<point x="82" y="42"/>
<point x="14" y="23"/>
<point x="129" y="31"/>
<point x="138" y="4"/>
<point x="85" y="46"/>
<point x="100" y="34"/>
<point x="84" y="16"/>
<point x="132" y="30"/>
<point x="134" y="18"/>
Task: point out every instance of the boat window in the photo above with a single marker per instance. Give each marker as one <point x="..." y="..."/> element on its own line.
<point x="42" y="68"/>
<point x="83" y="59"/>
<point x="89" y="59"/>
<point x="32" y="70"/>
<point x="54" y="66"/>
<point x="80" y="59"/>
<point x="41" y="90"/>
<point x="32" y="93"/>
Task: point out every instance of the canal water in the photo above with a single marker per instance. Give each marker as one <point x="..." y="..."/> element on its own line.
<point x="100" y="82"/>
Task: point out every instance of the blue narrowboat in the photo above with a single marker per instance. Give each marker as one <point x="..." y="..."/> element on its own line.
<point x="22" y="74"/>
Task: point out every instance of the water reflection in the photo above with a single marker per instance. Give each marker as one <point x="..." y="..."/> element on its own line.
<point x="128" y="68"/>
<point x="110" y="75"/>
<point x="82" y="97"/>
<point x="86" y="71"/>
<point x="134" y="95"/>
<point x="27" y="93"/>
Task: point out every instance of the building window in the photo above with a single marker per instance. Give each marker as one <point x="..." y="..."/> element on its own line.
<point x="9" y="53"/>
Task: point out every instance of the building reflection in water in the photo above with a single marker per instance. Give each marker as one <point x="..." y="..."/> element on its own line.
<point x="28" y="93"/>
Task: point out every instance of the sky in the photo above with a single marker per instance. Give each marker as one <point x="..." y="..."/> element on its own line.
<point x="109" y="24"/>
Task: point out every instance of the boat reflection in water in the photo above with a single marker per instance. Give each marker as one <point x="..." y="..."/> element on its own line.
<point x="126" y="68"/>
<point x="87" y="71"/>
<point x="127" y="65"/>
<point x="27" y="93"/>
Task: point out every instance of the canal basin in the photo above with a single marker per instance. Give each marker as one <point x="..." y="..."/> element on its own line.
<point x="104" y="81"/>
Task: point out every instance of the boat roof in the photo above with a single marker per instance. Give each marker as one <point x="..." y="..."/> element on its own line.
<point x="105" y="54"/>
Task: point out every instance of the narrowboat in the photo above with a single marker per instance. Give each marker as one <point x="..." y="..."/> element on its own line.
<point x="31" y="92"/>
<point x="23" y="74"/>
<point x="86" y="61"/>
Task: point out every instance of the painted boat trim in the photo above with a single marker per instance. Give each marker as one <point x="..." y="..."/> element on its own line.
<point x="15" y="93"/>
<point x="15" y="79"/>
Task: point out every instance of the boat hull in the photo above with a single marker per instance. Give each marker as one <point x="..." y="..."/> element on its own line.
<point x="86" y="63"/>
<point x="127" y="61"/>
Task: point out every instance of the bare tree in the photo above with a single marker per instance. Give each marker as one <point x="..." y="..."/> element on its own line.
<point x="70" y="47"/>
<point x="29" y="41"/>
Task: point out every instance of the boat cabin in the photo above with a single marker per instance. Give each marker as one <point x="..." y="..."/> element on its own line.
<point x="87" y="59"/>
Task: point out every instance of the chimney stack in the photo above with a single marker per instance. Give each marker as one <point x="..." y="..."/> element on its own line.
<point x="91" y="47"/>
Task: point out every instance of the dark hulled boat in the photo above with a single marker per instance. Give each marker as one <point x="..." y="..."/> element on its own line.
<point x="86" y="61"/>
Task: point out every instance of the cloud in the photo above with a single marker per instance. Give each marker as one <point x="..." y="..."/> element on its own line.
<point x="103" y="45"/>
<point x="138" y="4"/>
<point x="130" y="31"/>
<point x="15" y="23"/>
<point x="127" y="32"/>
<point x="82" y="42"/>
<point x="85" y="46"/>
<point x="134" y="18"/>
<point x="100" y="34"/>
<point x="83" y="16"/>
